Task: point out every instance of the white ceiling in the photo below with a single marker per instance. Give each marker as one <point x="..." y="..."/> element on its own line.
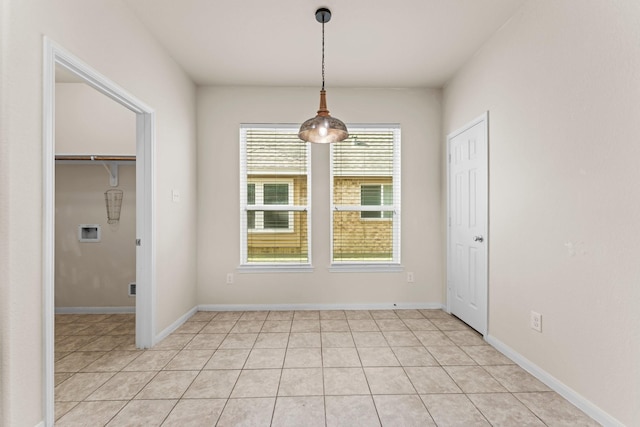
<point x="369" y="43"/>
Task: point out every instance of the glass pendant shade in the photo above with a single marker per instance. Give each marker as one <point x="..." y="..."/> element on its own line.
<point x="323" y="128"/>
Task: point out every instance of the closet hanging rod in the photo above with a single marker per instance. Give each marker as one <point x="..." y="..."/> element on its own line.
<point x="96" y="158"/>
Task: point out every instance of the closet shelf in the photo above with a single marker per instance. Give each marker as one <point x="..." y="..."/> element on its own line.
<point x="110" y="163"/>
<point x="95" y="158"/>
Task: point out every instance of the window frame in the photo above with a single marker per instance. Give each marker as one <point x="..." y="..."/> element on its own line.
<point x="247" y="266"/>
<point x="394" y="265"/>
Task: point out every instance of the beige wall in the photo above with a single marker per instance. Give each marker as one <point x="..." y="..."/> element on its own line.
<point x="5" y="248"/>
<point x="88" y="122"/>
<point x="107" y="36"/>
<point x="560" y="81"/>
<point x="95" y="274"/>
<point x="221" y="110"/>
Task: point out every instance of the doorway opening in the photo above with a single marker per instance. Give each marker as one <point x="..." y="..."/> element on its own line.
<point x="95" y="196"/>
<point x="57" y="58"/>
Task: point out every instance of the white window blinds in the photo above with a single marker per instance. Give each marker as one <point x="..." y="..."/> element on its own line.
<point x="365" y="183"/>
<point x="274" y="200"/>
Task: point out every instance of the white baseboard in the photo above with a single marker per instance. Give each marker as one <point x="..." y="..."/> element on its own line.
<point x="556" y="385"/>
<point x="175" y="325"/>
<point x="287" y="307"/>
<point x="95" y="310"/>
<point x="40" y="424"/>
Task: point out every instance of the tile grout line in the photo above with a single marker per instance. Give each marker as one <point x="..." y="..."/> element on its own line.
<point x="324" y="389"/>
<point x="275" y="400"/>
<point x="409" y="378"/>
<point x="236" y="381"/>
<point x="375" y="407"/>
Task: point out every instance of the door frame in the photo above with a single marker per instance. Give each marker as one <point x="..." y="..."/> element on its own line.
<point x="484" y="121"/>
<point x="56" y="55"/>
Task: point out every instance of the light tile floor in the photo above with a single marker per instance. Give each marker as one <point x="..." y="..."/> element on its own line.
<point x="302" y="368"/>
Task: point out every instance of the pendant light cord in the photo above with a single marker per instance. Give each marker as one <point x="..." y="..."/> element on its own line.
<point x="323" y="53"/>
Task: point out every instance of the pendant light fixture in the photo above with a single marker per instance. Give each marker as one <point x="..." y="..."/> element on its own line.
<point x="323" y="128"/>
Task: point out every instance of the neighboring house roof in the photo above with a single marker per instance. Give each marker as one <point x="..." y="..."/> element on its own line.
<point x="275" y="150"/>
<point x="367" y="152"/>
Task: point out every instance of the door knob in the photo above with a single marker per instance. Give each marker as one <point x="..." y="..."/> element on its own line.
<point x="478" y="239"/>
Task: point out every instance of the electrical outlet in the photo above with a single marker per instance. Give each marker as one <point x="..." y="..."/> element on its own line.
<point x="410" y="278"/>
<point x="229" y="278"/>
<point x="536" y="321"/>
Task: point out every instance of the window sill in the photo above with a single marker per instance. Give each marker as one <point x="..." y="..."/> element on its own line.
<point x="365" y="268"/>
<point x="281" y="268"/>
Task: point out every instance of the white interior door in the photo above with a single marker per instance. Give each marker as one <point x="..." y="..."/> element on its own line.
<point x="467" y="262"/>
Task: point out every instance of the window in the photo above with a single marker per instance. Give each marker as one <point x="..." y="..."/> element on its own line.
<point x="365" y="183"/>
<point x="274" y="204"/>
<point x="275" y="192"/>
<point x="375" y="195"/>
